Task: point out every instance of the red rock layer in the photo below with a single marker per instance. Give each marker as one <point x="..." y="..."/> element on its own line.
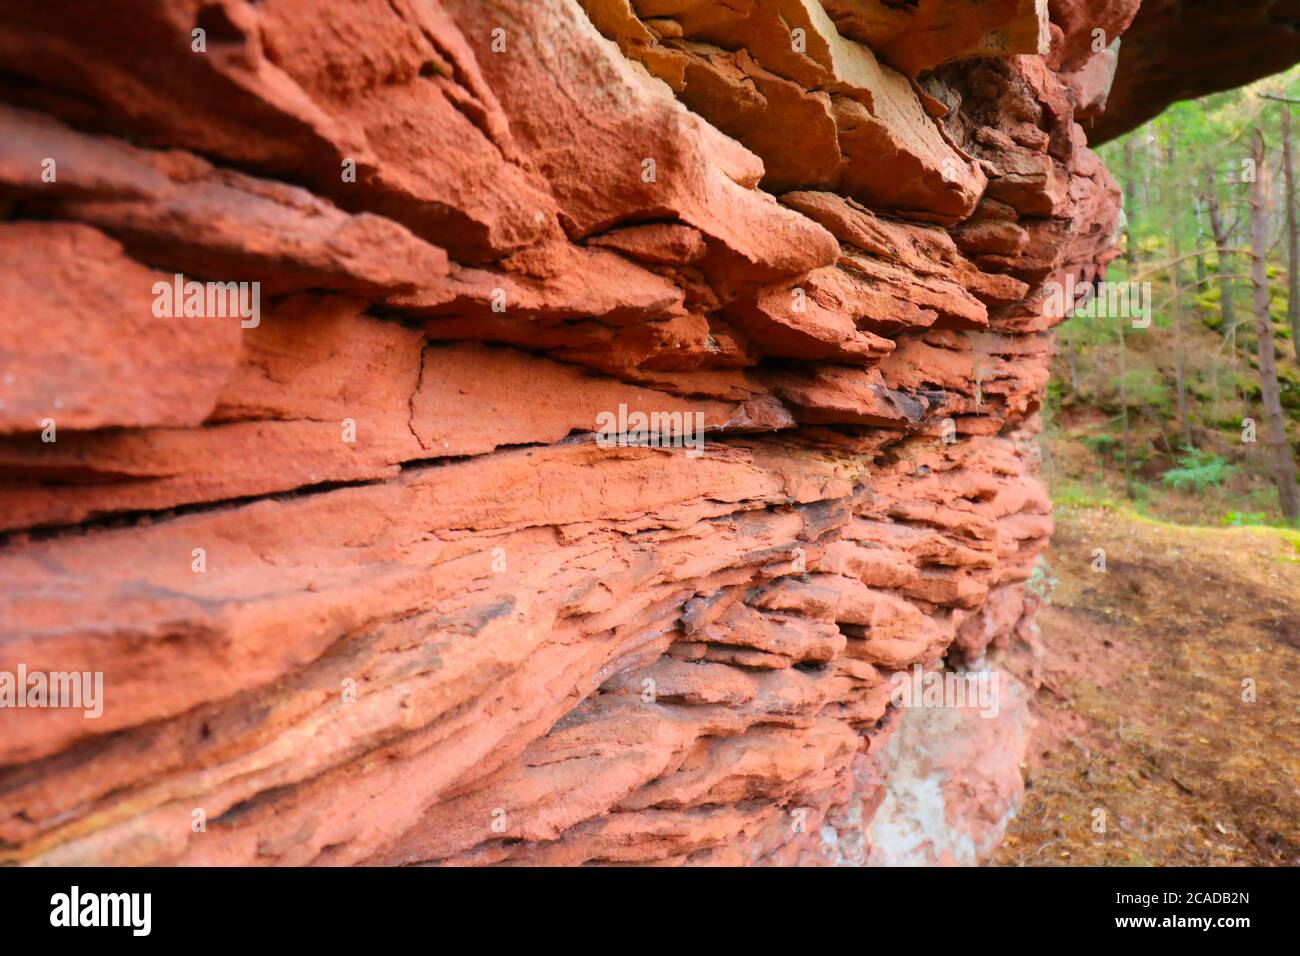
<point x="1182" y="49"/>
<point x="432" y="619"/>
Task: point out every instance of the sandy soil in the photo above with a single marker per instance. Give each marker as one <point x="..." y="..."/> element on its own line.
<point x="1142" y="715"/>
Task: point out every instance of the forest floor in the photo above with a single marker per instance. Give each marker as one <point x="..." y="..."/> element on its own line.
<point x="1146" y="751"/>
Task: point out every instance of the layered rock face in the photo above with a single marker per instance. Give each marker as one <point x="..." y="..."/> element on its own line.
<point x="1181" y="49"/>
<point x="415" y="555"/>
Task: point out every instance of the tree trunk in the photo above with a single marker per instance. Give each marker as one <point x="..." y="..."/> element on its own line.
<point x="1227" y="307"/>
<point x="1275" y="425"/>
<point x="1072" y="360"/>
<point x="1176" y="295"/>
<point x="1293" y="233"/>
<point x="1202" y="274"/>
<point x="1131" y="258"/>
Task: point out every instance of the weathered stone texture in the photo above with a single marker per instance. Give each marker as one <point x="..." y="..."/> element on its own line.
<point x="474" y="634"/>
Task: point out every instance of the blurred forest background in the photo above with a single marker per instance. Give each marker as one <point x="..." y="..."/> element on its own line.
<point x="1155" y="419"/>
<point x="1143" y="451"/>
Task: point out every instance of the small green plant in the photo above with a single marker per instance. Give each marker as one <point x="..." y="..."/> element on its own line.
<point x="1240" y="519"/>
<point x="1144" y="386"/>
<point x="1073" y="494"/>
<point x="1041" y="581"/>
<point x="1197" y="471"/>
<point x="1102" y="444"/>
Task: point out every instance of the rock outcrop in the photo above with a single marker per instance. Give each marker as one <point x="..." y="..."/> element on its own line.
<point x="415" y="555"/>
<point x="1182" y="49"/>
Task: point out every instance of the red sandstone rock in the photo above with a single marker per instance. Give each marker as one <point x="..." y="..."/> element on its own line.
<point x="950" y="780"/>
<point x="1182" y="49"/>
<point x="761" y="71"/>
<point x="916" y="37"/>
<point x="81" y="345"/>
<point x="366" y="581"/>
<point x="177" y="211"/>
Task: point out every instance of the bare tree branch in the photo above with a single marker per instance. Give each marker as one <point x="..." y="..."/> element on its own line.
<point x="1161" y="267"/>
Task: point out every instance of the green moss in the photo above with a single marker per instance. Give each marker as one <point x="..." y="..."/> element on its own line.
<point x="1197" y="471"/>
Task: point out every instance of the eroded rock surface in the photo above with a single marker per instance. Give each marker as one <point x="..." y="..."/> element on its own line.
<point x="363" y="584"/>
<point x="1182" y="49"/>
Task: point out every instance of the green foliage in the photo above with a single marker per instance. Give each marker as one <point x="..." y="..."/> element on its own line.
<point x="1289" y="531"/>
<point x="1041" y="581"/>
<point x="1209" y="302"/>
<point x="1240" y="519"/>
<point x="1103" y="444"/>
<point x="1197" y="471"/>
<point x="1145" y="386"/>
<point x="1055" y="392"/>
<point x="1172" y="172"/>
<point x="1072" y="494"/>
